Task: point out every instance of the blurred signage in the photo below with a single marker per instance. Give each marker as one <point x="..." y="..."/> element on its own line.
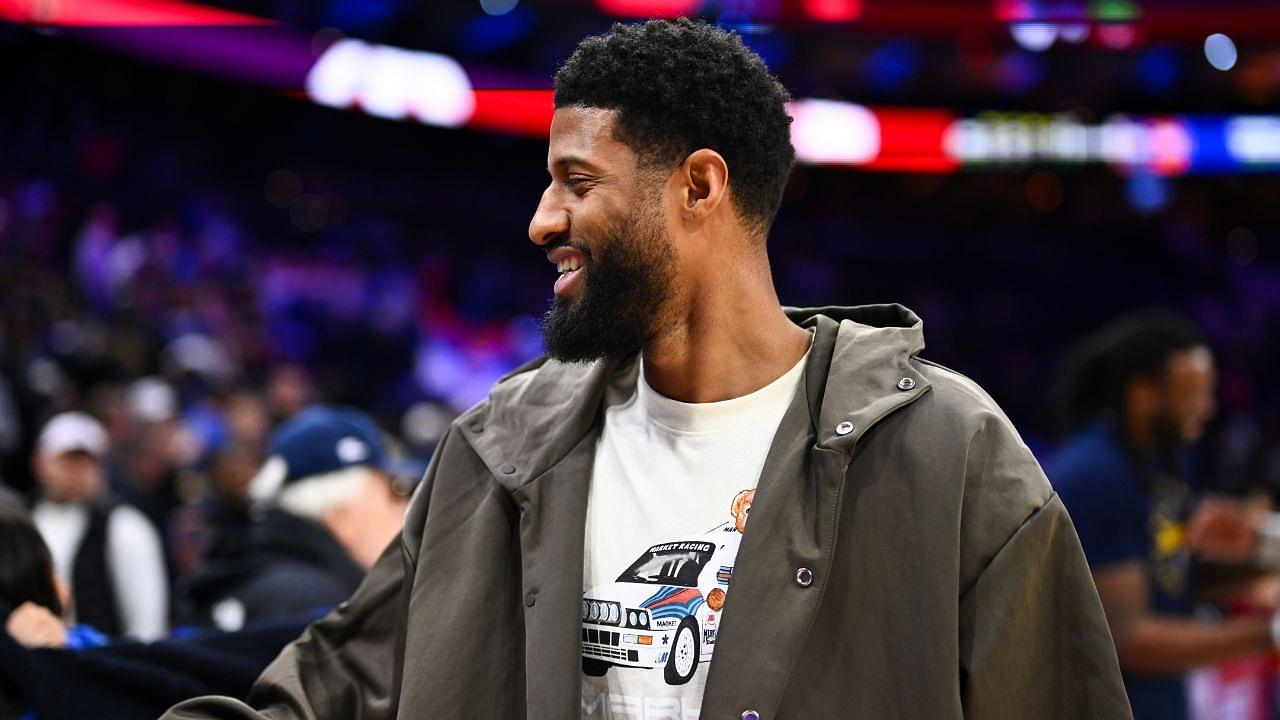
<point x="1164" y="145"/>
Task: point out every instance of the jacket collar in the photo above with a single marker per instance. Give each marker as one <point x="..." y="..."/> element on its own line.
<point x="536" y="414"/>
<point x="869" y="372"/>
<point x="539" y="412"/>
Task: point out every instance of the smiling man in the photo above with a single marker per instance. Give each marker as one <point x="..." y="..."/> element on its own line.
<point x="700" y="503"/>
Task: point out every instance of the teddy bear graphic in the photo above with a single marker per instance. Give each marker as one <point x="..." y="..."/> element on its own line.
<point x="739" y="508"/>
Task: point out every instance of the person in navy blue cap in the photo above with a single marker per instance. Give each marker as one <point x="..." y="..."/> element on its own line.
<point x="326" y="507"/>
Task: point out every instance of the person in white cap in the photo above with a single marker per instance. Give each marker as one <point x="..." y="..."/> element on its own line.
<point x="108" y="552"/>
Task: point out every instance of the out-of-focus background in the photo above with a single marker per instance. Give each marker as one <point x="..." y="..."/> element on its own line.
<point x="214" y="215"/>
<point x="178" y="210"/>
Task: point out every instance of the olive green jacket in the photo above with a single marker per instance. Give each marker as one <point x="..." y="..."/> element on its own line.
<point x="947" y="579"/>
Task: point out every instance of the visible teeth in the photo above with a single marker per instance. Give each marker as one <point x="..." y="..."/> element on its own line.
<point x="568" y="265"/>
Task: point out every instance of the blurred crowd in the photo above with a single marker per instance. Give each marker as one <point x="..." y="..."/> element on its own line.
<point x="188" y="365"/>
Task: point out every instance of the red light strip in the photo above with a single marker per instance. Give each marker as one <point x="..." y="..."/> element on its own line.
<point x="121" y="13"/>
<point x="516" y="112"/>
<point x="912" y="141"/>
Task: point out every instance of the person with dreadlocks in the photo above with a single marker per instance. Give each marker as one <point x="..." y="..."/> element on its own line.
<point x="1135" y="397"/>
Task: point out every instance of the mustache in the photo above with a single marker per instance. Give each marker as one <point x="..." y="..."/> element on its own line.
<point x="580" y="247"/>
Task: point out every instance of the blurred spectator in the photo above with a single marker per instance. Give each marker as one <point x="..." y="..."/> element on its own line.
<point x="218" y="526"/>
<point x="119" y="680"/>
<point x="26" y="568"/>
<point x="35" y="596"/>
<point x="1138" y="395"/>
<point x="288" y="392"/>
<point x="109" y="551"/>
<point x="329" y="510"/>
<point x="28" y="585"/>
<point x="151" y="447"/>
<point x="246" y="417"/>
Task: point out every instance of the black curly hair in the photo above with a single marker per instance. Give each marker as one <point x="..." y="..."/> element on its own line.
<point x="682" y="85"/>
<point x="1096" y="370"/>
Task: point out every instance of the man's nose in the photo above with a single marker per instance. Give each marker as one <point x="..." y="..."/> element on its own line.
<point x="549" y="221"/>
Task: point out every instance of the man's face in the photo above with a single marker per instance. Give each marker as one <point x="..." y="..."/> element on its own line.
<point x="602" y="219"/>
<point x="70" y="476"/>
<point x="1187" y="396"/>
<point x="368" y="524"/>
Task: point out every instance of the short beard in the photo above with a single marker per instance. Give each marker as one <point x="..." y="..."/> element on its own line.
<point x="626" y="289"/>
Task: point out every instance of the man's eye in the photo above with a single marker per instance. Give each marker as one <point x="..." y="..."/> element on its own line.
<point x="574" y="182"/>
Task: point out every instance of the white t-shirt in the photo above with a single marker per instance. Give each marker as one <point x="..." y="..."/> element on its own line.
<point x="669" y="497"/>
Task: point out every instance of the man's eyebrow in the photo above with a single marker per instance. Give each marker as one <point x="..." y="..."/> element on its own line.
<point x="567" y="161"/>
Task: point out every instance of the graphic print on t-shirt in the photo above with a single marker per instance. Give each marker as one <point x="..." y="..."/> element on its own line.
<point x="663" y="611"/>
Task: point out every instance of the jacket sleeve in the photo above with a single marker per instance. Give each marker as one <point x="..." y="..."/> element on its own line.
<point x="347" y="664"/>
<point x="1033" y="639"/>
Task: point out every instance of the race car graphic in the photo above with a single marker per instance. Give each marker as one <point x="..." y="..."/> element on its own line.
<point x="663" y="610"/>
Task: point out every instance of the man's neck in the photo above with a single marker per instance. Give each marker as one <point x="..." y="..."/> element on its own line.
<point x="733" y="340"/>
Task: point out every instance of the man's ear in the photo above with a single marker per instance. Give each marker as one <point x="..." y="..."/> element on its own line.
<point x="703" y="180"/>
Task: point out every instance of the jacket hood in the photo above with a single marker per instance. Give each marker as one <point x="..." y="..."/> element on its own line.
<point x="890" y="320"/>
<point x="859" y="370"/>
